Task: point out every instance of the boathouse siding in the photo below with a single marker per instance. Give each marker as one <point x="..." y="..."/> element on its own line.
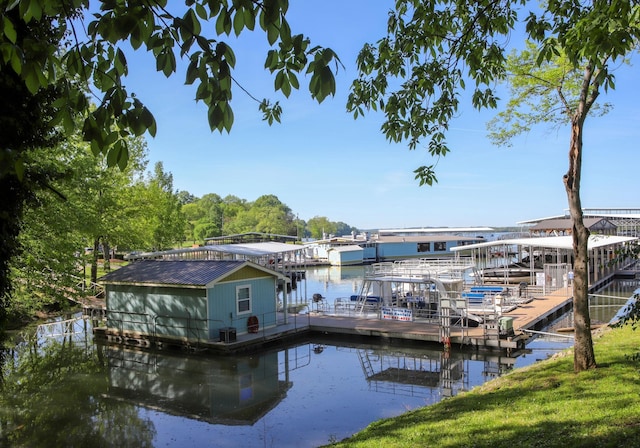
<point x="402" y="248"/>
<point x="160" y="310"/>
<point x="189" y="300"/>
<point x="342" y="251"/>
<point x="223" y="306"/>
<point x="345" y="255"/>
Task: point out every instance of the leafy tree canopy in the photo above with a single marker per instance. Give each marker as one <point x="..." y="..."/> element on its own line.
<point x="433" y="51"/>
<point x="88" y="65"/>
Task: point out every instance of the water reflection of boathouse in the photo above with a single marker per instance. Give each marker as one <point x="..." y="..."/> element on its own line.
<point x="241" y="390"/>
<point x="221" y="390"/>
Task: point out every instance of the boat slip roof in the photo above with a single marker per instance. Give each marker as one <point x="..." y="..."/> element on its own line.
<point x="254" y="249"/>
<point x="551" y="242"/>
<point x="417" y="230"/>
<point x="247" y="249"/>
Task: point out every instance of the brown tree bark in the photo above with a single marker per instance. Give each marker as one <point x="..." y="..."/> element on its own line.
<point x="94" y="261"/>
<point x="584" y="357"/>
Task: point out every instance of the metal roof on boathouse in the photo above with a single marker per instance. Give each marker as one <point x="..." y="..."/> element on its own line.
<point x="186" y="273"/>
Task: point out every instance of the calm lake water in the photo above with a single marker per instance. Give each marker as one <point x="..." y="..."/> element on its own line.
<point x="73" y="392"/>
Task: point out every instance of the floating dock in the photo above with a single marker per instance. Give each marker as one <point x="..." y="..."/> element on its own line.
<point x="533" y="315"/>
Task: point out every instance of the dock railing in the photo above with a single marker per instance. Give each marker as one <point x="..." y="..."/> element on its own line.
<point x="421" y="268"/>
<point x="192" y="331"/>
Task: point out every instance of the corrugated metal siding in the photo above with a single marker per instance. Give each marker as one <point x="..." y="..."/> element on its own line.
<point x="176" y="312"/>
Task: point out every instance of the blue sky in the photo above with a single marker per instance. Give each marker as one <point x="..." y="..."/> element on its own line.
<point x="321" y="162"/>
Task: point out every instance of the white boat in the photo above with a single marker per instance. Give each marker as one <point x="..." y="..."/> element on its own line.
<point x="513" y="273"/>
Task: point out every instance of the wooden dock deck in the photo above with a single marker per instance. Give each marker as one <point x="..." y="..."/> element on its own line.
<point x="532" y="315"/>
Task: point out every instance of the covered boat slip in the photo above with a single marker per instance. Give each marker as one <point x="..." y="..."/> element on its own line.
<point x="286" y="258"/>
<point x="436" y="299"/>
<point x="415" y="289"/>
<point x="446" y="300"/>
<point x="548" y="260"/>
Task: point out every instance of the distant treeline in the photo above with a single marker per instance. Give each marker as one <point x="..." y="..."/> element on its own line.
<point x="211" y="216"/>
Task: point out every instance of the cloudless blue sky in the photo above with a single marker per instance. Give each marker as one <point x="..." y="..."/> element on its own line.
<point x="321" y="162"/>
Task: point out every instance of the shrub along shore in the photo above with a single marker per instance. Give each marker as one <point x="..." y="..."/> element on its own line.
<point x="542" y="405"/>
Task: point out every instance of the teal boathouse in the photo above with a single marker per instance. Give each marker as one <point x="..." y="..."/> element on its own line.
<point x="189" y="301"/>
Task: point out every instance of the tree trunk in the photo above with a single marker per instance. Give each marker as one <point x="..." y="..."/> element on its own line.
<point x="584" y="357"/>
<point x="106" y="255"/>
<point x="94" y="262"/>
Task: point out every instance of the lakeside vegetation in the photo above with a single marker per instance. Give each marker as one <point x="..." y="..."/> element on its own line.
<point x="543" y="405"/>
<point x="91" y="213"/>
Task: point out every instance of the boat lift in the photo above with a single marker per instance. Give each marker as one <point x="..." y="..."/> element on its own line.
<point x="428" y="289"/>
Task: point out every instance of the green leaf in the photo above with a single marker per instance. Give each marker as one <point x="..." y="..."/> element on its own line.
<point x="120" y="63"/>
<point x="223" y="23"/>
<point x="238" y="22"/>
<point x="191" y="20"/>
<point x="16" y="62"/>
<point x="192" y="71"/>
<point x="215" y="118"/>
<point x="279" y="80"/>
<point x="272" y="34"/>
<point x="149" y="121"/>
<point x="9" y="30"/>
<point x="34" y="11"/>
<point x="293" y="80"/>
<point x="271" y="62"/>
<point x="249" y="18"/>
<point x="32" y="80"/>
<point x="166" y="62"/>
<point x="201" y="12"/>
<point x="228" y="118"/>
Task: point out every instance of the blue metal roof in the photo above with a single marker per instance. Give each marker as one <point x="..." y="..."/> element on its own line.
<point x="173" y="272"/>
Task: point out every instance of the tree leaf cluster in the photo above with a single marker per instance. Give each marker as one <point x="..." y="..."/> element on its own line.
<point x="88" y="62"/>
<point x="415" y="73"/>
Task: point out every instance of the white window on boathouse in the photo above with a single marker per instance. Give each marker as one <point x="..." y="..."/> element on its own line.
<point x="243" y="299"/>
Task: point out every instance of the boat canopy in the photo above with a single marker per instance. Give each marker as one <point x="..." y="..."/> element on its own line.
<point x="550" y="242"/>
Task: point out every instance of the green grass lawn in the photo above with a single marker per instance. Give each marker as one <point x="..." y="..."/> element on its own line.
<point x="543" y="405"/>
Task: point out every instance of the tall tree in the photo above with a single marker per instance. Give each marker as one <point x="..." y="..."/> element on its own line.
<point x="86" y="204"/>
<point x="164" y="210"/>
<point x="272" y="216"/>
<point x="112" y="212"/>
<point x="48" y="267"/>
<point x="416" y="73"/>
<point x="554" y="91"/>
<point x="25" y="117"/>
